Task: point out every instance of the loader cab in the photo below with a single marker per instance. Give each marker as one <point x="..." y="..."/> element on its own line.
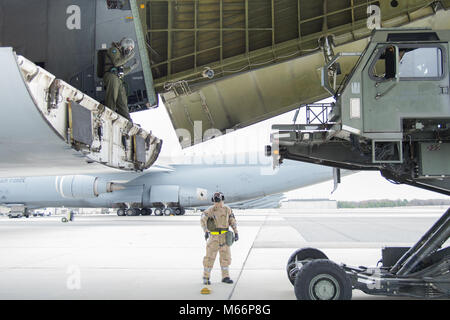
<point x="402" y="75"/>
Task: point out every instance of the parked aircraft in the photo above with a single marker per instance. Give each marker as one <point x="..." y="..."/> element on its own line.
<point x="163" y="189"/>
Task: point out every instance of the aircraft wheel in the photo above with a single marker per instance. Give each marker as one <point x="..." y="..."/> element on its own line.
<point x="303" y="254"/>
<point x="120" y="212"/>
<point x="64" y="220"/>
<point x="183" y="211"/>
<point x="168" y="212"/>
<point x="158" y="212"/>
<point x="146" y="211"/>
<point x="322" y="279"/>
<point x="177" y="211"/>
<point x="131" y="212"/>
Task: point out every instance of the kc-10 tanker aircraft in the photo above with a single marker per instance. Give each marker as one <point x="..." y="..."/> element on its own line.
<point x="167" y="189"/>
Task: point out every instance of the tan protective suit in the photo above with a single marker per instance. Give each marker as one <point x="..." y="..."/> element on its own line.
<point x="224" y="218"/>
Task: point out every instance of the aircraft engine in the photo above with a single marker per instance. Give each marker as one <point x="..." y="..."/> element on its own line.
<point x="184" y="196"/>
<point x="82" y="187"/>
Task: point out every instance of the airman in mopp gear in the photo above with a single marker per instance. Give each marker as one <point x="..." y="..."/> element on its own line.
<point x="116" y="57"/>
<point x="215" y="222"/>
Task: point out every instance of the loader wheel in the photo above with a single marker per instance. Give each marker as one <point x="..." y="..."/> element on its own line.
<point x="303" y="254"/>
<point x="64" y="220"/>
<point x="322" y="280"/>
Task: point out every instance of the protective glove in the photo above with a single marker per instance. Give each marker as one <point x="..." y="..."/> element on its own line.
<point x="236" y="237"/>
<point x="206" y="235"/>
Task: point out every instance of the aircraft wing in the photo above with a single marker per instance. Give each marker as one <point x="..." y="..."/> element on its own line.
<point x="228" y="64"/>
<point x="271" y="201"/>
<point x="268" y="202"/>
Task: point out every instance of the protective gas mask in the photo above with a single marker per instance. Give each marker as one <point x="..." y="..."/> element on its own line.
<point x="127" y="51"/>
<point x="127" y="45"/>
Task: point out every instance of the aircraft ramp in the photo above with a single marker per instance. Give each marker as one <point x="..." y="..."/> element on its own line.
<point x="49" y="127"/>
<point x="231" y="63"/>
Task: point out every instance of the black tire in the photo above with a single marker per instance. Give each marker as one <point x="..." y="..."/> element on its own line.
<point x="168" y="212"/>
<point x="158" y="212"/>
<point x="322" y="280"/>
<point x="121" y="212"/>
<point x="177" y="211"/>
<point x="300" y="255"/>
<point x="132" y="212"/>
<point x="146" y="211"/>
<point x="183" y="211"/>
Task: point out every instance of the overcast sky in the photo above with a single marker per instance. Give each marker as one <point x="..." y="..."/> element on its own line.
<point x="357" y="187"/>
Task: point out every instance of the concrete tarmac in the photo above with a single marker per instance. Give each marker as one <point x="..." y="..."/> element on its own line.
<point x="111" y="257"/>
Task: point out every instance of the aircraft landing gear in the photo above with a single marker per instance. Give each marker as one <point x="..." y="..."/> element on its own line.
<point x="168" y="212"/>
<point x="158" y="211"/>
<point x="133" y="212"/>
<point x="179" y="211"/>
<point x="420" y="271"/>
<point x="146" y="211"/>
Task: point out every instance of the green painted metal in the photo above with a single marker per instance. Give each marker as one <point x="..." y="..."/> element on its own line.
<point x="264" y="53"/>
<point x="142" y="44"/>
<point x="391" y="114"/>
<point x="436" y="162"/>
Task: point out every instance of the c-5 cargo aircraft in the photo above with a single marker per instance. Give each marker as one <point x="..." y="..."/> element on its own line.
<point x="227" y="64"/>
<point x="166" y="189"/>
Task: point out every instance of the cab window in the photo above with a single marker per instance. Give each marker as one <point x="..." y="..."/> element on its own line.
<point x="423" y="62"/>
<point x="420" y="63"/>
<point x="384" y="67"/>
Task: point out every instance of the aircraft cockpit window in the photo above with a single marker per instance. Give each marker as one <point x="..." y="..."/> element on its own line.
<point x="420" y="63"/>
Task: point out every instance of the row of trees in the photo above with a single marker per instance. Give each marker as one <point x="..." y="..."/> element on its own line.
<point x="392" y="203"/>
